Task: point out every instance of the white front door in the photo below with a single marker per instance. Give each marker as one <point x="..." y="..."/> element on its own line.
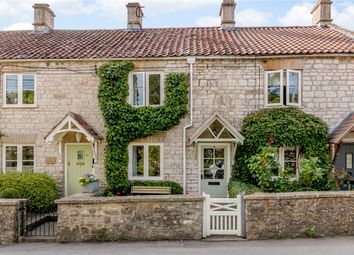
<point x="214" y="168"/>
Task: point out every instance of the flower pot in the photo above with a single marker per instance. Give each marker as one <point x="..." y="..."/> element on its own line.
<point x="90" y="188"/>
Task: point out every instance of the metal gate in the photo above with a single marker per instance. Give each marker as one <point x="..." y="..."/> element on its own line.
<point x="223" y="216"/>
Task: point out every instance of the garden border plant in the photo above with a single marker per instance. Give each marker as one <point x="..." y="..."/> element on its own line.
<point x="125" y="123"/>
<point x="285" y="126"/>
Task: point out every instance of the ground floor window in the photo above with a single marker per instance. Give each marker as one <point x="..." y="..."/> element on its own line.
<point x="18" y="158"/>
<point x="145" y="161"/>
<point x="289" y="159"/>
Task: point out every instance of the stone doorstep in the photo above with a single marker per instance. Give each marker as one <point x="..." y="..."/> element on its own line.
<point x="223" y="238"/>
<point x="35" y="239"/>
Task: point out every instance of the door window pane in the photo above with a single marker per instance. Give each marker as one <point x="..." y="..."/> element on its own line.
<point x="11" y="89"/>
<point x="274" y="88"/>
<point x="154" y="89"/>
<point x="28" y="89"/>
<point x="349" y="161"/>
<point x="213" y="163"/>
<point x="154" y="161"/>
<point x="138" y="89"/>
<point x="138" y="160"/>
<point x="293" y="87"/>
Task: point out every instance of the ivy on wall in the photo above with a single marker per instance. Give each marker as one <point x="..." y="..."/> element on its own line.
<point x="125" y="123"/>
<point x="287" y="126"/>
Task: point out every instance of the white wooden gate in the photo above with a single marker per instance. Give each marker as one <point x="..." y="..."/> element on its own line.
<point x="223" y="216"/>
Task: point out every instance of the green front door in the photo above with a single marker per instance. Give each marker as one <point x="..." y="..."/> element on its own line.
<point x="79" y="162"/>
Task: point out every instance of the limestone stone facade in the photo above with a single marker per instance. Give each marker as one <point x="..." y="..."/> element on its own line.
<point x="231" y="87"/>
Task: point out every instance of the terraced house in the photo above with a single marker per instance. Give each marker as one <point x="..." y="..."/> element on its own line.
<point x="52" y="121"/>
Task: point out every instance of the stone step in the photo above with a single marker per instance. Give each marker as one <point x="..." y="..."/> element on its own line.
<point x="223" y="238"/>
<point x="33" y="239"/>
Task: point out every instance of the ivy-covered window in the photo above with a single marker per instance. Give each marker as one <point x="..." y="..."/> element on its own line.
<point x="19" y="89"/>
<point x="146" y="88"/>
<point x="18" y="158"/>
<point x="283" y="87"/>
<point x="289" y="159"/>
<point x="145" y="162"/>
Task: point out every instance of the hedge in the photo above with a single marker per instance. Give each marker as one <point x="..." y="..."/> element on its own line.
<point x="38" y="188"/>
<point x="175" y="187"/>
<point x="236" y="187"/>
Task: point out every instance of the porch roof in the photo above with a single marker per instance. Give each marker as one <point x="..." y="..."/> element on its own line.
<point x="342" y="129"/>
<point x="81" y="126"/>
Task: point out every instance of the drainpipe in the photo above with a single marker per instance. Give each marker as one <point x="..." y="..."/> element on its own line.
<point x="190" y="61"/>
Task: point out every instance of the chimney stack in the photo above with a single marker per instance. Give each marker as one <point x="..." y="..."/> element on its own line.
<point x="321" y="13"/>
<point x="43" y="18"/>
<point x="135" y="16"/>
<point x="227" y="14"/>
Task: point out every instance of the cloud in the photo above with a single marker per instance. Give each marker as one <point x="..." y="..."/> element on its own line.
<point x="208" y="21"/>
<point x="344" y="17"/>
<point x="252" y="18"/>
<point x="298" y="15"/>
<point x="20" y="26"/>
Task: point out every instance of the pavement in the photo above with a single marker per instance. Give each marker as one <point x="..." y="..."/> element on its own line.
<point x="321" y="246"/>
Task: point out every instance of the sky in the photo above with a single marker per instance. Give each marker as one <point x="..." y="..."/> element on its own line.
<point x="111" y="14"/>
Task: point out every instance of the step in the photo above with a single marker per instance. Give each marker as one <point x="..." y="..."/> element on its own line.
<point x="34" y="239"/>
<point x="224" y="238"/>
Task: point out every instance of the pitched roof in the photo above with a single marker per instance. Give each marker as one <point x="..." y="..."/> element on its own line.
<point x="342" y="129"/>
<point x="172" y="42"/>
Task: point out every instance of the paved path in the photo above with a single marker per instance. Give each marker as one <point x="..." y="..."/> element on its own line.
<point x="322" y="246"/>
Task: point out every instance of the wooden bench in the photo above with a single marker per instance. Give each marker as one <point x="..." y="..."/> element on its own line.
<point x="151" y="190"/>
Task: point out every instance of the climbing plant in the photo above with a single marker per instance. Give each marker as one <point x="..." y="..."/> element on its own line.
<point x="125" y="123"/>
<point x="287" y="126"/>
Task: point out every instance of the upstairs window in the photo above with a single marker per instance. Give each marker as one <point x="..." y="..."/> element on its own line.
<point x="19" y="158"/>
<point x="146" y="89"/>
<point x="19" y="90"/>
<point x="283" y="87"/>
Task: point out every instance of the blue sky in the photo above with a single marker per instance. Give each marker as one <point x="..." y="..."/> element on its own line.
<point x="85" y="14"/>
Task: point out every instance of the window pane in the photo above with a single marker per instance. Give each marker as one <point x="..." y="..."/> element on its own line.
<point x="28" y="89"/>
<point x="27" y="153"/>
<point x="11" y="153"/>
<point x="27" y="166"/>
<point x="138" y="161"/>
<point x="154" y="161"/>
<point x="154" y="89"/>
<point x="274" y="88"/>
<point x="294" y="87"/>
<point x="11" y="166"/>
<point x="138" y="89"/>
<point x="11" y="89"/>
<point x="349" y="161"/>
<point x="290" y="154"/>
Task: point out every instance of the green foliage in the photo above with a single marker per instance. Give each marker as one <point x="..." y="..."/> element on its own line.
<point x="9" y="193"/>
<point x="235" y="188"/>
<point x="311" y="232"/>
<point x="287" y="126"/>
<point x="313" y="176"/>
<point x="38" y="188"/>
<point x="175" y="187"/>
<point x="267" y="171"/>
<point x="101" y="234"/>
<point x="126" y="123"/>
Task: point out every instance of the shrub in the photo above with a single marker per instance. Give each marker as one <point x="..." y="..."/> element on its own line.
<point x="287" y="126"/>
<point x="9" y="193"/>
<point x="235" y="188"/>
<point x="175" y="187"/>
<point x="38" y="188"/>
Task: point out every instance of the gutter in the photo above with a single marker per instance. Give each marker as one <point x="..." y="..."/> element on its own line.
<point x="191" y="62"/>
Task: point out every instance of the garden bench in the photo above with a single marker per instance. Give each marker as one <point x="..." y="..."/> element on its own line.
<point x="151" y="190"/>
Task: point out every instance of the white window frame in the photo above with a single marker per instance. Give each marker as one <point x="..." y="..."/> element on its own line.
<point x="19" y="155"/>
<point x="288" y="87"/>
<point x="281" y="88"/>
<point x="282" y="158"/>
<point x="146" y="176"/>
<point x="146" y="88"/>
<point x="20" y="103"/>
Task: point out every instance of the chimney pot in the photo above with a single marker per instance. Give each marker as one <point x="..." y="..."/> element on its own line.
<point x="227" y="14"/>
<point x="321" y="13"/>
<point x="135" y="16"/>
<point x="43" y="18"/>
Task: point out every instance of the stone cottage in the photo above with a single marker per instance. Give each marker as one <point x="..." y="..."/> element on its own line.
<point x="53" y="124"/>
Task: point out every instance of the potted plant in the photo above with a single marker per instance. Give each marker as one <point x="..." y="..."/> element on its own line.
<point x="89" y="183"/>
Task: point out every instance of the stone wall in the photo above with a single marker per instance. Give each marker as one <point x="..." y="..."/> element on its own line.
<point x="9" y="220"/>
<point x="83" y="218"/>
<point x="289" y="215"/>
